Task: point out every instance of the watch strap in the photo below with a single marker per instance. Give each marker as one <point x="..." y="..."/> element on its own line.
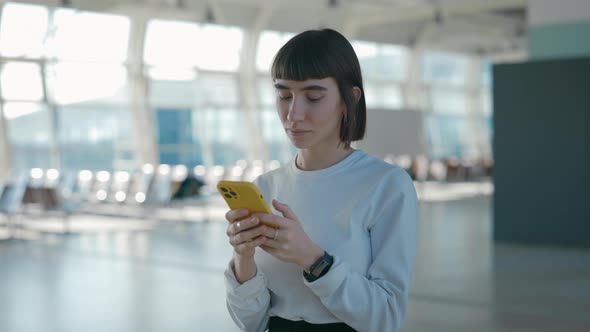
<point x="319" y="268"/>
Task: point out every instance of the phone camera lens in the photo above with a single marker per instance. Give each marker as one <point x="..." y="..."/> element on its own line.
<point x="233" y="193"/>
<point x="224" y="189"/>
<point x="228" y="196"/>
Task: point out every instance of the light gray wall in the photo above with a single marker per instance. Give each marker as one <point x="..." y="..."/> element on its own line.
<point x="550" y="12"/>
<point x="395" y="132"/>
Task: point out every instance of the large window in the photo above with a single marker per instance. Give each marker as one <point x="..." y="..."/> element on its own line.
<point x="28" y="122"/>
<point x="278" y="145"/>
<point x="64" y="78"/>
<point x="446" y="134"/>
<point x="226" y="132"/>
<point x="23" y="30"/>
<point x="194" y="92"/>
<point x="178" y="137"/>
<point x="176" y="124"/>
<point x="449" y="100"/>
<point x="167" y="44"/>
<point x="88" y="37"/>
<point x="89" y="83"/>
<point x="176" y="45"/>
<point x="382" y="61"/>
<point x="224" y="125"/>
<point x="218" y="89"/>
<point x="65" y="103"/>
<point x="385" y="68"/>
<point x="21" y="81"/>
<point x="30" y="133"/>
<point x="219" y="56"/>
<point x="447" y="118"/>
<point x="269" y="44"/>
<point x="96" y="137"/>
<point x="444" y="68"/>
<point x="487" y="130"/>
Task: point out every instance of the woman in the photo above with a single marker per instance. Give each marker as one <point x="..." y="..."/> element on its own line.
<point x="342" y="257"/>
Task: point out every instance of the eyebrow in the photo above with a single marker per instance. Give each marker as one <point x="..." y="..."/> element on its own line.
<point x="306" y="88"/>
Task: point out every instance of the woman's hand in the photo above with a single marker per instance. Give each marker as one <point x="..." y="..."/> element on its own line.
<point x="289" y="242"/>
<point x="245" y="234"/>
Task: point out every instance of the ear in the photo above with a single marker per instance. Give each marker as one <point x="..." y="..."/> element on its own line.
<point x="357" y="93"/>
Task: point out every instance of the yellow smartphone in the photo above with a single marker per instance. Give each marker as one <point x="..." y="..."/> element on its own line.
<point x="243" y="194"/>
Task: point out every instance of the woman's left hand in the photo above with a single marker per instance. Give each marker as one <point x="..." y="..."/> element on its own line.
<point x="289" y="243"/>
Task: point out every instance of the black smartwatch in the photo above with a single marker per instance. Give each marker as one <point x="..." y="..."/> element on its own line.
<point x="319" y="268"/>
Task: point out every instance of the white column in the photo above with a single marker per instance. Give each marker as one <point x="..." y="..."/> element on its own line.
<point x="55" y="149"/>
<point x="5" y="153"/>
<point x="258" y="149"/>
<point x="476" y="137"/>
<point x="416" y="93"/>
<point x="5" y="156"/>
<point x="143" y="118"/>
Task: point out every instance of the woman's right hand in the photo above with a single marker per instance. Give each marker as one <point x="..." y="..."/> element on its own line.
<point x="244" y="233"/>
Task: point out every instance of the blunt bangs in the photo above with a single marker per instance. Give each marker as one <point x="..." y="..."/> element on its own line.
<point x="305" y="57"/>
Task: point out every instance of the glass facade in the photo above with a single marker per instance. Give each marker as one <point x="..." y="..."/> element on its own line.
<point x="66" y="77"/>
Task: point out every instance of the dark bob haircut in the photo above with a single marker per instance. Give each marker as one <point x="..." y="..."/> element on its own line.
<point x="318" y="54"/>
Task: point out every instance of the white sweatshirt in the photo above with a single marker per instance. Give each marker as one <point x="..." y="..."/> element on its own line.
<point x="363" y="211"/>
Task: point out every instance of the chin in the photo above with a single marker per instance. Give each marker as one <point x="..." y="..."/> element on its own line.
<point x="300" y="145"/>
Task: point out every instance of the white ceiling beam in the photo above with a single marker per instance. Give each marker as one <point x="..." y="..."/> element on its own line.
<point x="416" y="13"/>
<point x="217" y="12"/>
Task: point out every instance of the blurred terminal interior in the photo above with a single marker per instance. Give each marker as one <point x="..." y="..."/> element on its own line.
<point x="118" y="118"/>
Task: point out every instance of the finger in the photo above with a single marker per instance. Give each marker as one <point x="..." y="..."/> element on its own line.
<point x="244" y="224"/>
<point x="233" y="215"/>
<point x="274" y="244"/>
<point x="251" y="244"/>
<point x="284" y="209"/>
<point x="248" y="235"/>
<point x="271" y="219"/>
<point x="274" y="233"/>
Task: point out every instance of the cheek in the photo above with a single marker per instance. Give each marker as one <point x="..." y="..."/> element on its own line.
<point x="329" y="114"/>
<point x="282" y="113"/>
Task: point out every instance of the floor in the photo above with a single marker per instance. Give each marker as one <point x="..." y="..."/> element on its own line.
<point x="125" y="274"/>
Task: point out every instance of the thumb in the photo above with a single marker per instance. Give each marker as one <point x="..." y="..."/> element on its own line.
<point x="284" y="209"/>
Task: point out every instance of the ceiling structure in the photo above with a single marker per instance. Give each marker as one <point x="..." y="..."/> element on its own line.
<point x="490" y="27"/>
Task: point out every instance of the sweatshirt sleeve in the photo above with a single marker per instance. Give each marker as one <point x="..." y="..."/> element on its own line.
<point x="248" y="303"/>
<point x="377" y="301"/>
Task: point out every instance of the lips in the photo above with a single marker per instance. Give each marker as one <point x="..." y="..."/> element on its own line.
<point x="297" y="132"/>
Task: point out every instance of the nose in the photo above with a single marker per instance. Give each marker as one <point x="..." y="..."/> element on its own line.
<point x="296" y="110"/>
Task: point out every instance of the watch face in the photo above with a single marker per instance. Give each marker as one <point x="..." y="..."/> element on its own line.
<point x="320" y="268"/>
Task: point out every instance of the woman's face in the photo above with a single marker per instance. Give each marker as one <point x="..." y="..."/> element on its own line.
<point x="310" y="111"/>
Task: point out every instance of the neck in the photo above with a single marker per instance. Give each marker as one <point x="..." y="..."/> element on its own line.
<point x="313" y="160"/>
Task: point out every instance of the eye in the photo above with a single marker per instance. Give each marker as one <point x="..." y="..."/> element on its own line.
<point x="284" y="97"/>
<point x="314" y="100"/>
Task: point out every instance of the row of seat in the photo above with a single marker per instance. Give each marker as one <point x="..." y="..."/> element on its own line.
<point x="450" y="169"/>
<point x="152" y="185"/>
<point x="40" y="192"/>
